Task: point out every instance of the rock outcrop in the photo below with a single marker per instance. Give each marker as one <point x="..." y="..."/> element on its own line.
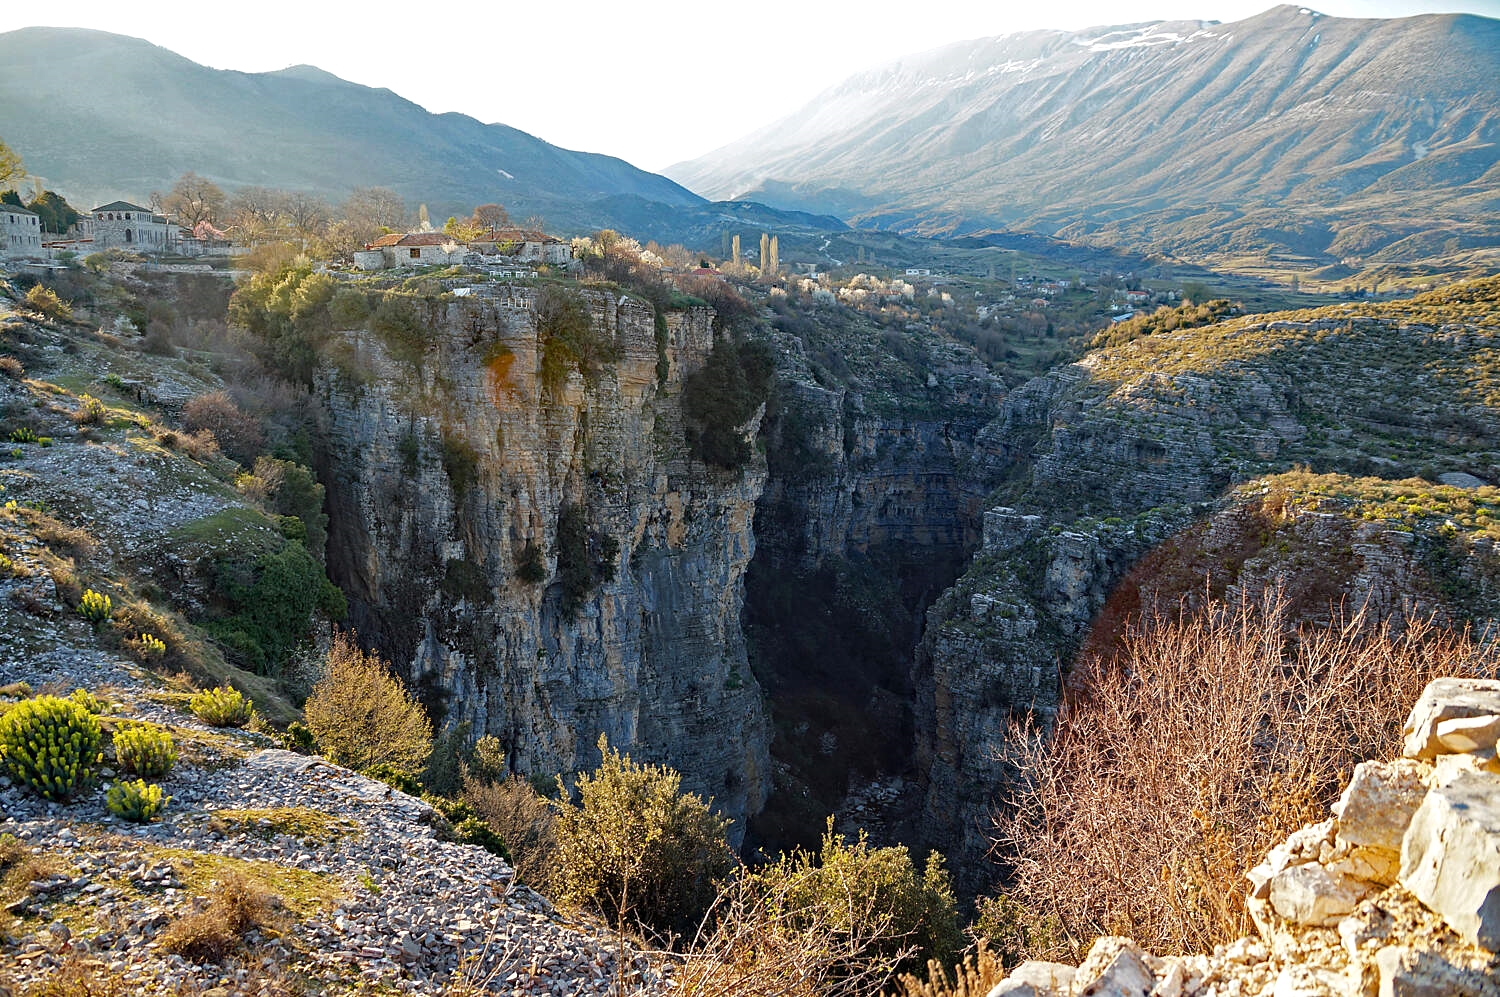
<point x="1396" y="895"/>
<point x="546" y="560"/>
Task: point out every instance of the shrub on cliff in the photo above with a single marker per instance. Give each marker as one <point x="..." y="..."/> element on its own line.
<point x="723" y="395"/>
<point x="636" y="847"/>
<point x="1180" y="759"/>
<point x="569" y="339"/>
<point x="237" y="432"/>
<point x="289" y="489"/>
<point x="362" y="716"/>
<point x="585" y="557"/>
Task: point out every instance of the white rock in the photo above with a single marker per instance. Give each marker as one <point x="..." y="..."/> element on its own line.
<point x="1306" y="981"/>
<point x="1469" y="735"/>
<point x="1311" y="895"/>
<point x="1035" y="979"/>
<point x="1115" y="967"/>
<point x="1379" y="801"/>
<point x="1406" y="972"/>
<point x="1447" y="699"/>
<point x="1450" y="859"/>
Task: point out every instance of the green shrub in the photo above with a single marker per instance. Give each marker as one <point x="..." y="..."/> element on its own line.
<point x="585" y="557"/>
<point x="569" y="339"/>
<point x="362" y="716"/>
<point x="271" y="601"/>
<point x="50" y="744"/>
<point x="532" y="569"/>
<point x="221" y="707"/>
<point x="460" y="463"/>
<point x="145" y="749"/>
<point x="148" y="647"/>
<point x="723" y="395"/>
<point x="94" y="607"/>
<point x="88" y="701"/>
<point x="299" y="739"/>
<point x="91" y="411"/>
<point x="852" y="881"/>
<point x="46" y="301"/>
<point x="286" y="488"/>
<point x="136" y="800"/>
<point x="638" y="847"/>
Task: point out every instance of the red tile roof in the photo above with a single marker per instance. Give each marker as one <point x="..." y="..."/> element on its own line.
<point x="412" y="239"/>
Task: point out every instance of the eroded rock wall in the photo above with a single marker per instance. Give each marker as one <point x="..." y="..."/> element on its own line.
<point x="443" y="469"/>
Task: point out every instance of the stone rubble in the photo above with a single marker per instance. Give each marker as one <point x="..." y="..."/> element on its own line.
<point x="1396" y="895"/>
<point x="408" y="910"/>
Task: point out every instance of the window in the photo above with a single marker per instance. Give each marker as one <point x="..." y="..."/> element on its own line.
<point x="416" y="253"/>
<point x="127" y="235"/>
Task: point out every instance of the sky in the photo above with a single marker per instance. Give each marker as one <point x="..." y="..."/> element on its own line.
<point x="654" y="83"/>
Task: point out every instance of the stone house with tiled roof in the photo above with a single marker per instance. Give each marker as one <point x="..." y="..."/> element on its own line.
<point x="20" y="231"/>
<point x="122" y="225"/>
<point x="410" y="249"/>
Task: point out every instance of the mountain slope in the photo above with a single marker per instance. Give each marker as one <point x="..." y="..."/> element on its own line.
<point x="101" y="115"/>
<point x="1301" y="132"/>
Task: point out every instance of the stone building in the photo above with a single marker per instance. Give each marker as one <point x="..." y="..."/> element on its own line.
<point x="411" y="249"/>
<point x="123" y="225"/>
<point x="20" y="231"/>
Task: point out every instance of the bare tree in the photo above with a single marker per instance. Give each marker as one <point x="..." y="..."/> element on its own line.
<point x="491" y="216"/>
<point x="194" y="199"/>
<point x="11" y="169"/>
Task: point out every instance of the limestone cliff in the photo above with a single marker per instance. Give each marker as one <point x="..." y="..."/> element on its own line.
<point x="464" y="490"/>
<point x="1105" y="459"/>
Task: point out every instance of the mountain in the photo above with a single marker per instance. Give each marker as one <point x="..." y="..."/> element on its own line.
<point x="1289" y="131"/>
<point x="101" y="116"/>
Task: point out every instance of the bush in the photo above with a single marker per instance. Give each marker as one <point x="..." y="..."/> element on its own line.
<point x="569" y="339"/>
<point x="46" y="301"/>
<point x="286" y="488"/>
<point x="94" y="607"/>
<point x="221" y="707"/>
<point x="237" y="432"/>
<point x="532" y="569"/>
<point x="585" y="557"/>
<point x="522" y="818"/>
<point x="723" y="395"/>
<point x="12" y="368"/>
<point x="50" y="744"/>
<point x="875" y="893"/>
<point x="91" y="411"/>
<point x="148" y="648"/>
<point x="88" y="701"/>
<point x="208" y="935"/>
<point x="145" y="749"/>
<point x="363" y="717"/>
<point x="1236" y="727"/>
<point x="271" y="603"/>
<point x="136" y="800"/>
<point x="637" y="847"/>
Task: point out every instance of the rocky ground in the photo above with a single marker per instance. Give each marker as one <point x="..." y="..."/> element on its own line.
<point x="371" y="894"/>
<point x="1396" y="895"/>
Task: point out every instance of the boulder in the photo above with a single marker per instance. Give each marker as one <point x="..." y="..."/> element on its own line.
<point x="1450" y="858"/>
<point x="1378" y="803"/>
<point x="1311" y="895"/>
<point x="1469" y="735"/>
<point x="1115" y="967"/>
<point x="1447" y="699"/>
<point x="1036" y="979"/>
<point x="1409" y="972"/>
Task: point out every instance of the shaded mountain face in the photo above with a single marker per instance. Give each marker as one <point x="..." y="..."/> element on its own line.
<point x="103" y="116"/>
<point x="1290" y="130"/>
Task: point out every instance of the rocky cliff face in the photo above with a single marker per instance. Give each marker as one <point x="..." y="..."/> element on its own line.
<point x="449" y="475"/>
<point x="1104" y="460"/>
<point x="870" y="510"/>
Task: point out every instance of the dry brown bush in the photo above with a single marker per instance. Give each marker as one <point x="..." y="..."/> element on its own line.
<point x="361" y="714"/>
<point x="208" y="935"/>
<point x="1184" y="756"/>
<point x="78" y="975"/>
<point x="238" y="433"/>
<point x="523" y="819"/>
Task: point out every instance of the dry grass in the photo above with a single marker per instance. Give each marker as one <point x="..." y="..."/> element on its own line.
<point x="78" y="976"/>
<point x="975" y="976"/>
<point x="239" y="905"/>
<point x="1183" y="757"/>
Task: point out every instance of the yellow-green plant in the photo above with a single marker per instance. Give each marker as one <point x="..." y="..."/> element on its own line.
<point x="51" y="744"/>
<point x="88" y="701"/>
<point x="94" y="607"/>
<point x="136" y="800"/>
<point x="145" y="749"/>
<point x="221" y="707"/>
<point x="149" y="647"/>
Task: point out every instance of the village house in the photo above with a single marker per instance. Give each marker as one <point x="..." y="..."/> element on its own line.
<point x="525" y="244"/>
<point x="410" y="249"/>
<point x="122" y="225"/>
<point x="20" y="231"/>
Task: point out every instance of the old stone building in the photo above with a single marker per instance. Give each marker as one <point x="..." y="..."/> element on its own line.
<point x="20" y="231"/>
<point x="411" y="249"/>
<point x="123" y="225"/>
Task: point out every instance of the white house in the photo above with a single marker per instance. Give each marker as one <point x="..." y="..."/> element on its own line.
<point x="412" y="249"/>
<point x="129" y="226"/>
<point x="20" y="231"/>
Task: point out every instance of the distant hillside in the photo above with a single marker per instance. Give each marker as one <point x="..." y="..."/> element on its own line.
<point x="103" y="116"/>
<point x="1289" y="131"/>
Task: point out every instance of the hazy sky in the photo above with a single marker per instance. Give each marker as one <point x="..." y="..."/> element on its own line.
<point x="651" y="82"/>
